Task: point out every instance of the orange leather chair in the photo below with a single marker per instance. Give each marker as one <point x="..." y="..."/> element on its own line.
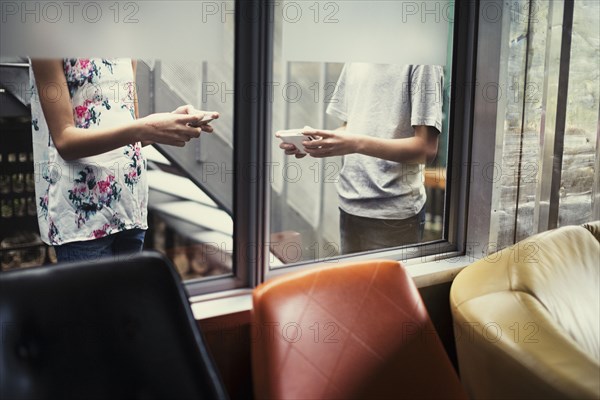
<point x="357" y="330"/>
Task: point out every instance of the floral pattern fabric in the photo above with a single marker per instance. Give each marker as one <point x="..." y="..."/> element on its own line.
<point x="94" y="196"/>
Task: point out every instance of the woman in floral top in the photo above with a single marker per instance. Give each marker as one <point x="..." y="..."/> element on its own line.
<point x="92" y="190"/>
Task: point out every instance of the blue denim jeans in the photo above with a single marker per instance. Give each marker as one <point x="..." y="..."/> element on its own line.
<point x="364" y="234"/>
<point x="120" y="244"/>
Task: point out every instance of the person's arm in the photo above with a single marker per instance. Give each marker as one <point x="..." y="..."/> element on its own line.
<point x="186" y="109"/>
<point x="419" y="149"/>
<point x="73" y="143"/>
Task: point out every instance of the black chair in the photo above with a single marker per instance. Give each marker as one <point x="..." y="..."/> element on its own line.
<point x="112" y="329"/>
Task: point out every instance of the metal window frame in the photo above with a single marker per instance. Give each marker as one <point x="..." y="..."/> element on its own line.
<point x="459" y="157"/>
<point x="561" y="113"/>
<point x="466" y="218"/>
<point x="485" y="112"/>
<point x="252" y="69"/>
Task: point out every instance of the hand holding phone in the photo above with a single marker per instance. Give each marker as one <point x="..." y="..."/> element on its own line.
<point x="208" y="117"/>
<point x="295" y="137"/>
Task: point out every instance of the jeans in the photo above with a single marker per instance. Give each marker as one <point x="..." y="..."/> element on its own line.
<point x="116" y="245"/>
<point x="364" y="234"/>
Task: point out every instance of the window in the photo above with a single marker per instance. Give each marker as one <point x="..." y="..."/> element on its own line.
<point x="355" y="36"/>
<point x="548" y="117"/>
<point x="261" y="73"/>
<point x="191" y="188"/>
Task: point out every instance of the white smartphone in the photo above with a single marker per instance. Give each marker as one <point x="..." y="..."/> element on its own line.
<point x="295" y="137"/>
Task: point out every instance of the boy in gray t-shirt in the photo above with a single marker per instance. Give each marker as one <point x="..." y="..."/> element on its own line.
<point x="392" y="116"/>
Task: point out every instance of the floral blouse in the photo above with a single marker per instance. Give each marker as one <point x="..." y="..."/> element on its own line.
<point x="96" y="196"/>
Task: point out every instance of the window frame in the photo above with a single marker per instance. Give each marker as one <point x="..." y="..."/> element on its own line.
<point x="475" y="56"/>
<point x="453" y="243"/>
<point x="253" y="38"/>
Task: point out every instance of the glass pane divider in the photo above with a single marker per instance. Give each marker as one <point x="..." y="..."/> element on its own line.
<point x="559" y="131"/>
<point x="541" y="216"/>
<point x="322" y="116"/>
<point x="523" y="119"/>
<point x="497" y="207"/>
<point x="596" y="186"/>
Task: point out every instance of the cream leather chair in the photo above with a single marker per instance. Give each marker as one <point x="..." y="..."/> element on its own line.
<point x="527" y="319"/>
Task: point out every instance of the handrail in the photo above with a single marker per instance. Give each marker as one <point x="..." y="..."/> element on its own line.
<point x="11" y="64"/>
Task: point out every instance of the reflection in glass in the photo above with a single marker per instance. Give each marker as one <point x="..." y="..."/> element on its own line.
<point x="308" y="193"/>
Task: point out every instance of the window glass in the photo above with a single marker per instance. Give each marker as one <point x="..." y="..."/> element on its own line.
<point x="383" y="184"/>
<point x="546" y="116"/>
<point x="580" y="154"/>
<point x="190" y="217"/>
<point x="190" y="189"/>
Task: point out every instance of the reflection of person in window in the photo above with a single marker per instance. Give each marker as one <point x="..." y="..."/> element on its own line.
<point x="92" y="192"/>
<point x="392" y="117"/>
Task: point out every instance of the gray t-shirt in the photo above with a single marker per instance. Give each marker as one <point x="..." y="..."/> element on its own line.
<point x="385" y="101"/>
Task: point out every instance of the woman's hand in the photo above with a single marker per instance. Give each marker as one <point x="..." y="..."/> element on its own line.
<point x="177" y="127"/>
<point x="330" y="143"/>
<point x="190" y="110"/>
<point x="169" y="128"/>
<point x="196" y="124"/>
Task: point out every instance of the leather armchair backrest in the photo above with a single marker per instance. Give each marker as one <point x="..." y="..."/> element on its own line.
<point x="562" y="272"/>
<point x="560" y="269"/>
<point x="534" y="309"/>
<point x="356" y="330"/>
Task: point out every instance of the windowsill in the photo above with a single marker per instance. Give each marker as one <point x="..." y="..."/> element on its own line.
<point x="435" y="270"/>
<point x="222" y="303"/>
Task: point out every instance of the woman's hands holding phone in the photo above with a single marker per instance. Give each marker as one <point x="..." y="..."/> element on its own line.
<point x="176" y="128"/>
<point x="207" y="117"/>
